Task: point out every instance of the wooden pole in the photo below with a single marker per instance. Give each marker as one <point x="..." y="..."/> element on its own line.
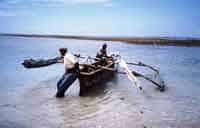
<point x="144" y="65"/>
<point x="161" y="87"/>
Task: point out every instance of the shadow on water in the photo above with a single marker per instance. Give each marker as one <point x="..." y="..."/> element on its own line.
<point x="101" y="88"/>
<point x="94" y="91"/>
<point x="11" y="125"/>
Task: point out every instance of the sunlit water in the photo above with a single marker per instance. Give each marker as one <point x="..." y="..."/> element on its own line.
<point x="28" y="95"/>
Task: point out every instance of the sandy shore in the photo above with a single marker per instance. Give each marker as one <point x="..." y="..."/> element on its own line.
<point x="133" y="40"/>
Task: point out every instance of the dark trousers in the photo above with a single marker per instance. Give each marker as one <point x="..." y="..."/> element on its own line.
<point x="64" y="83"/>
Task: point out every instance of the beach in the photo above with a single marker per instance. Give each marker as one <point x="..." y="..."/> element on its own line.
<point x="28" y="95"/>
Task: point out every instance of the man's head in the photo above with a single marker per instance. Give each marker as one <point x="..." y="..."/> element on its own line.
<point x="63" y="51"/>
<point x="104" y="46"/>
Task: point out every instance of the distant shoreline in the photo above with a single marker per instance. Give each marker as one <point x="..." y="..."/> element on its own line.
<point x="132" y="40"/>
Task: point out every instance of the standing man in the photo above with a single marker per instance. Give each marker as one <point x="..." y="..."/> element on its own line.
<point x="71" y="67"/>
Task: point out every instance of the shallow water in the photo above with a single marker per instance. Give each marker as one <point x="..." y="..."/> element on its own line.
<point x="27" y="95"/>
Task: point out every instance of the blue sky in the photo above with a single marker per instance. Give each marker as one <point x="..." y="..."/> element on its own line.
<point x="176" y="18"/>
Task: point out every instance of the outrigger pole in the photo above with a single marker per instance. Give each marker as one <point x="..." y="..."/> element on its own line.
<point x="160" y="87"/>
<point x="144" y="65"/>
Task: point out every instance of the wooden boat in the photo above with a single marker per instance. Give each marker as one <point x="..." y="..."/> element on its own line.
<point x="96" y="73"/>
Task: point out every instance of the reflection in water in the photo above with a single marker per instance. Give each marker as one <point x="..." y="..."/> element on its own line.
<point x="28" y="96"/>
<point x="103" y="103"/>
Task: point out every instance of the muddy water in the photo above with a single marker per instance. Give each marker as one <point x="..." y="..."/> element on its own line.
<point x="27" y="96"/>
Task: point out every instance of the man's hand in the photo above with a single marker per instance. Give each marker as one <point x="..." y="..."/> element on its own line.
<point x="77" y="55"/>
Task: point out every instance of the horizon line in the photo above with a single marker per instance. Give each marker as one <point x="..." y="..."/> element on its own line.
<point x="167" y="41"/>
<point x="98" y="36"/>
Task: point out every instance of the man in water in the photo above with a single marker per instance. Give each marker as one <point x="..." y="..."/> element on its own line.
<point x="71" y="67"/>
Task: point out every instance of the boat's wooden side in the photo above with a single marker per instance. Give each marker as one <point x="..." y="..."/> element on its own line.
<point x="93" y="74"/>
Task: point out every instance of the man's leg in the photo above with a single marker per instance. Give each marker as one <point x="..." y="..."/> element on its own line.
<point x="64" y="83"/>
<point x="60" y="81"/>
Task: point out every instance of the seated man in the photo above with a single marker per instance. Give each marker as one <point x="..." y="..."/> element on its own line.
<point x="102" y="52"/>
<point x="71" y="67"/>
<point x="102" y="55"/>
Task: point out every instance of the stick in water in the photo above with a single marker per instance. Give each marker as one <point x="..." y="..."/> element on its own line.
<point x="130" y="75"/>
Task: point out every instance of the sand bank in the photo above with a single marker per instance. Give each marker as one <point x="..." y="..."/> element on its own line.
<point x="133" y="40"/>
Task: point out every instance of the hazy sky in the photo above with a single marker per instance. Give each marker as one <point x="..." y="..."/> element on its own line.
<point x="101" y="17"/>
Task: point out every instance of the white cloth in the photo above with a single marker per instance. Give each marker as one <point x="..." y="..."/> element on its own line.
<point x="69" y="61"/>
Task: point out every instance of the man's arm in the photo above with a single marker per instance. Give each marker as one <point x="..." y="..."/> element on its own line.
<point x="61" y="60"/>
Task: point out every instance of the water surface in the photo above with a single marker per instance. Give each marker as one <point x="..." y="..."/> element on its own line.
<point x="27" y="95"/>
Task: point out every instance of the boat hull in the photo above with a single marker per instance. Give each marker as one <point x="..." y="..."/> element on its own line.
<point x="96" y="77"/>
